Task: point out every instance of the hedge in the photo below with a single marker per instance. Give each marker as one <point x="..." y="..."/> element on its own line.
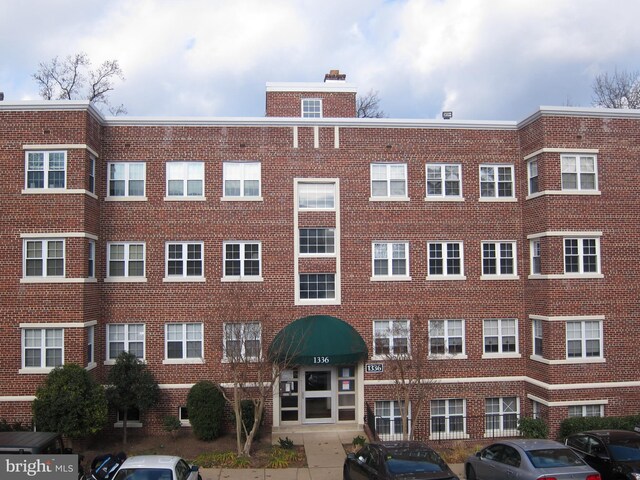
<point x="573" y="425"/>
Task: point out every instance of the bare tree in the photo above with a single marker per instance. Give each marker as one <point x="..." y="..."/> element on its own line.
<point x="73" y="79"/>
<point x="620" y="90"/>
<point x="368" y="106"/>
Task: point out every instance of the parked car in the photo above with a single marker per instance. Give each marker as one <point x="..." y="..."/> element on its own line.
<point x="157" y="467"/>
<point x="528" y="460"/>
<point x="614" y="453"/>
<point x="391" y="460"/>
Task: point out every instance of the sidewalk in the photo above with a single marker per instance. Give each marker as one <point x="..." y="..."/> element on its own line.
<point x="325" y="458"/>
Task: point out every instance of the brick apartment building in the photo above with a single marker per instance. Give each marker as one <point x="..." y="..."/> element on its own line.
<point x="502" y="250"/>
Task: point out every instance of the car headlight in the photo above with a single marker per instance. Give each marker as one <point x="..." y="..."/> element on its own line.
<point x="635" y="476"/>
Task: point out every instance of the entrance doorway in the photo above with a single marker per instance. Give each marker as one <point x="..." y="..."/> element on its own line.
<point x="318" y="393"/>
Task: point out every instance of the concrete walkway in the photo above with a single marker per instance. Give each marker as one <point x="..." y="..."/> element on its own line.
<point x="325" y="458"/>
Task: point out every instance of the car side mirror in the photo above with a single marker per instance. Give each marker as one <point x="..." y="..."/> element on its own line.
<point x="194" y="468"/>
<point x="478" y="455"/>
<point x="361" y="459"/>
<point x="351" y="456"/>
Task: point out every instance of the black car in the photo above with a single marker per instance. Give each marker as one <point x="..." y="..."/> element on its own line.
<point x="613" y="453"/>
<point x="389" y="460"/>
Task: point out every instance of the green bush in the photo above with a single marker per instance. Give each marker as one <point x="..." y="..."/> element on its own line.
<point x="171" y="423"/>
<point x="358" y="441"/>
<point x="569" y="426"/>
<point x="205" y="405"/>
<point x="533" y="427"/>
<point x="285" y="443"/>
<point x="13" y="427"/>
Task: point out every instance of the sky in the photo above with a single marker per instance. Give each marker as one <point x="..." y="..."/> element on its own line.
<point x="480" y="59"/>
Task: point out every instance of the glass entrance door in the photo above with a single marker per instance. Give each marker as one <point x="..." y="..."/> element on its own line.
<point x="318" y="395"/>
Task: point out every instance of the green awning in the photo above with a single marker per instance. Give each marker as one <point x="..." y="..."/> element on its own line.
<point x="318" y="340"/>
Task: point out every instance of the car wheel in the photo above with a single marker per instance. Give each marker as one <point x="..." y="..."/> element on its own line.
<point x="471" y="473"/>
<point x="345" y="473"/>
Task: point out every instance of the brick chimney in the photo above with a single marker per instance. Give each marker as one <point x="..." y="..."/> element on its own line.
<point x="335" y="76"/>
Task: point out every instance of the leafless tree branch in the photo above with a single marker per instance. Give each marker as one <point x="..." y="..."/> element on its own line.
<point x="618" y="90"/>
<point x="368" y="106"/>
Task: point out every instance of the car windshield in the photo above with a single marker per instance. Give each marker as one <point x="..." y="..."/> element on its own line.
<point x="554" y="458"/>
<point x="625" y="450"/>
<point x="404" y="461"/>
<point x="144" y="474"/>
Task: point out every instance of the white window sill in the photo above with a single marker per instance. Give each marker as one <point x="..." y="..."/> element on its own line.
<point x="444" y="199"/>
<point x="446" y="356"/>
<point x="501" y="433"/>
<point x="91" y="366"/>
<point x="499" y="277"/>
<point x="391" y="278"/>
<point x="568" y="361"/>
<point x="73" y="191"/>
<point x="126" y="199"/>
<point x="184" y="279"/>
<point x="35" y="370"/>
<point x="317" y="255"/>
<point x="242" y="279"/>
<point x="317" y="301"/>
<point x="497" y="199"/>
<point x="389" y="199"/>
<point x="56" y="280"/>
<point x="183" y="361"/>
<point x="562" y="192"/>
<point x="566" y="276"/>
<point x="130" y="424"/>
<point x="450" y="436"/>
<point x="501" y="355"/>
<point x="178" y="198"/>
<point x="185" y="423"/>
<point x="446" y="278"/>
<point x="241" y="199"/>
<point x="125" y="280"/>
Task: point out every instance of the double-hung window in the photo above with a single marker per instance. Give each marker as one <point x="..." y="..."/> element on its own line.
<point x="389" y="181"/>
<point x="532" y="170"/>
<point x="445" y="259"/>
<point x="44" y="258"/>
<point x="317" y="241"/>
<point x="242" y="341"/>
<point x="241" y="180"/>
<point x="92" y="174"/>
<point x="311" y="108"/>
<point x="125" y="260"/>
<point x="584" y="339"/>
<point x="316" y="196"/>
<point x="498" y="258"/>
<point x="390" y="338"/>
<point x="183" y="341"/>
<point x="496" y="181"/>
<point x="538" y="339"/>
<point x="581" y="255"/>
<point x="184" y="260"/>
<point x="444" y="181"/>
<point x="390" y="260"/>
<point x="446" y="337"/>
<point x="185" y="179"/>
<point x="126" y="337"/>
<point x="586" y="411"/>
<point x="45" y="170"/>
<point x="42" y="347"/>
<point x="500" y="336"/>
<point x="91" y="358"/>
<point x="448" y="418"/>
<point x="388" y="414"/>
<point x="536" y="257"/>
<point x="242" y="260"/>
<point x="91" y="259"/>
<point x="317" y="286"/>
<point x="579" y="172"/>
<point x="501" y="416"/>
<point x="127" y="180"/>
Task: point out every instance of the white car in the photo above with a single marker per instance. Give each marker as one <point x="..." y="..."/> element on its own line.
<point x="157" y="467"/>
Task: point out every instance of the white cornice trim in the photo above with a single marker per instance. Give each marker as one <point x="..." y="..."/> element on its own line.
<point x="562" y="150"/>
<point x="568" y="233"/>
<point x="60" y="235"/>
<point x="566" y="403"/>
<point x="17" y="398"/>
<point x="58" y="325"/>
<point x="61" y="146"/>
<point x="547" y="111"/>
<point x="312" y="87"/>
<point x="567" y="318"/>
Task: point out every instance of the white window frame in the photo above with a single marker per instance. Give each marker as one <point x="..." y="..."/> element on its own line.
<point x="241" y="328"/>
<point x="388" y="180"/>
<point x="532" y="173"/>
<point x="92" y="174"/>
<point x="184" y="340"/>
<point x="43" y="348"/>
<point x="126" y="277"/>
<point x="581" y="255"/>
<point x="443" y="181"/>
<point x="392" y="331"/>
<point x="130" y="422"/>
<point x="499" y="275"/>
<point x="448" y="415"/>
<point x="537" y="334"/>
<point x="496" y="197"/>
<point x="91" y="346"/>
<point x="311" y="108"/>
<point x="445" y="275"/>
<point x="578" y="172"/>
<point x="390" y="259"/>
<point x="184" y="261"/>
<point x="317" y="300"/>
<point x="501" y="335"/>
<point x="585" y="410"/>
<point x="394" y="409"/>
<point x="246" y="174"/>
<point x="184" y="420"/>
<point x="243" y="276"/>
<point x="91" y="259"/>
<point x="504" y="409"/>
<point x="535" y="252"/>
<point x="185" y="172"/>
<point x="447" y="332"/>
<point x="321" y="188"/>
<point x="324" y="244"/>
<point x="127" y="181"/>
<point x="44" y="258"/>
<point x="46" y="160"/>
<point x="126" y="340"/>
<point x="584" y="339"/>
